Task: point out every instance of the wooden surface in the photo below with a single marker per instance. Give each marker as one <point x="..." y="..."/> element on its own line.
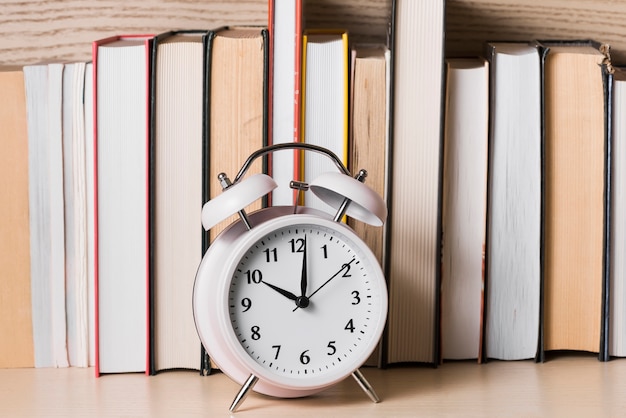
<point x="567" y="386"/>
<point x="34" y="30"/>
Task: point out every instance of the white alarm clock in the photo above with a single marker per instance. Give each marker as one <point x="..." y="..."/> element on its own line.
<point x="288" y="300"/>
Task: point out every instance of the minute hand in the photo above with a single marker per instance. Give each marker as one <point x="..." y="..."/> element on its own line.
<point x="343" y="267"/>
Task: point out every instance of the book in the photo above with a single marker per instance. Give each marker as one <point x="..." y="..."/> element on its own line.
<point x="16" y="345"/>
<point x="285" y="23"/>
<point x="237" y="100"/>
<point x="44" y="92"/>
<point x="617" y="314"/>
<point x="513" y="262"/>
<point x="369" y="134"/>
<point x="325" y="74"/>
<point x="90" y="171"/>
<point x="121" y="135"/>
<point x="414" y="221"/>
<point x="464" y="207"/>
<point x="576" y="186"/>
<point x="178" y="135"/>
<point x="75" y="206"/>
<point x="369" y="128"/>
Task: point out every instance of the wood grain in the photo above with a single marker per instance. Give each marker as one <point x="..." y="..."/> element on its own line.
<point x="566" y="386"/>
<point x="37" y="30"/>
<point x="470" y="23"/>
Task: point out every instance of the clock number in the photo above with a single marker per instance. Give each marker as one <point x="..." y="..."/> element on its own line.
<point x="304" y="357"/>
<point x="277" y="348"/>
<point x="246" y="303"/>
<point x="357" y="299"/>
<point x="254" y="276"/>
<point x="325" y="250"/>
<point x="346" y="273"/>
<point x="270" y="255"/>
<point x="349" y="326"/>
<point x="297" y="245"/>
<point x="255" y="333"/>
<point x="332" y="348"/>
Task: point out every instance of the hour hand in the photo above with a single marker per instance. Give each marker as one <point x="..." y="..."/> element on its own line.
<point x="283" y="292"/>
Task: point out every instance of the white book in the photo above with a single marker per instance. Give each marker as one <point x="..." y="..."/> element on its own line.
<point x="43" y="84"/>
<point x="464" y="214"/>
<point x="90" y="209"/>
<point x="325" y="101"/>
<point x="121" y="99"/>
<point x="617" y="315"/>
<point x="286" y="46"/>
<point x="414" y="224"/>
<point x="74" y="183"/>
<point x="514" y="209"/>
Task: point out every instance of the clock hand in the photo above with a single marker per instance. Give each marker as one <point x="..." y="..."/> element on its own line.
<point x="303" y="279"/>
<point x="343" y="267"/>
<point x="283" y="292"/>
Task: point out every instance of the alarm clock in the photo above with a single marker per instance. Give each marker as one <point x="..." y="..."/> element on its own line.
<point x="288" y="300"/>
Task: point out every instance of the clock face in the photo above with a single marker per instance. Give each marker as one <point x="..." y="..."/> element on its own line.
<point x="306" y="303"/>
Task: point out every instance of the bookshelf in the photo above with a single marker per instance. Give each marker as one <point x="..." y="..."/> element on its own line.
<point x="35" y="30"/>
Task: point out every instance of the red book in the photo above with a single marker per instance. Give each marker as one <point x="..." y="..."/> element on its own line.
<point x="121" y="143"/>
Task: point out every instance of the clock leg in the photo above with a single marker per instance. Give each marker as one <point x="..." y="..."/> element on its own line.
<point x="243" y="392"/>
<point x="367" y="388"/>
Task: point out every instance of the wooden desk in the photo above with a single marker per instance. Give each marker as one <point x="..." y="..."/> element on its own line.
<point x="566" y="386"/>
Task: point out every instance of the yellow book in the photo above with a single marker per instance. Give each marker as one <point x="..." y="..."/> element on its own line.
<point x="325" y="88"/>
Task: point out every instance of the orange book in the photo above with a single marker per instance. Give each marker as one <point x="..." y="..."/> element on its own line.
<point x="16" y="345"/>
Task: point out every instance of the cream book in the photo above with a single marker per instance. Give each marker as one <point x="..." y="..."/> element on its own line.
<point x="237" y="106"/>
<point x="177" y="182"/>
<point x="464" y="213"/>
<point x="369" y="135"/>
<point x="414" y="224"/>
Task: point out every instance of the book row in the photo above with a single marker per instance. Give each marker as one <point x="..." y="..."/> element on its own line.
<point x="121" y="153"/>
<point x="533" y="203"/>
<point x="501" y="176"/>
<point x="124" y="150"/>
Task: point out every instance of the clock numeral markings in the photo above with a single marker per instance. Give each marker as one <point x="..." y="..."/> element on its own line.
<point x="332" y="348"/>
<point x="325" y="250"/>
<point x="277" y="348"/>
<point x="297" y="245"/>
<point x="271" y="255"/>
<point x="349" y="326"/>
<point x="356" y="296"/>
<point x="304" y="357"/>
<point x="254" y="276"/>
<point x="246" y="303"/>
<point x="346" y="266"/>
<point x="255" y="333"/>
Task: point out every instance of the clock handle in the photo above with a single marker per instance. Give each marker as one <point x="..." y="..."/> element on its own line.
<point x="243" y="392"/>
<point x="290" y="145"/>
<point x="367" y="388"/>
